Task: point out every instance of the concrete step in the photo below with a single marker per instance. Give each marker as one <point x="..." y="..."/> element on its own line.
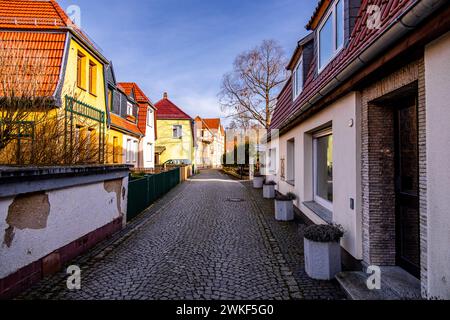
<point x="396" y="284"/>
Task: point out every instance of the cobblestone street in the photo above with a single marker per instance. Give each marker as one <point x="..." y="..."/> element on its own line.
<point x="209" y="238"/>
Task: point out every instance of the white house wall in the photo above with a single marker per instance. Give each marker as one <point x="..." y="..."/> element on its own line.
<point x="343" y="117"/>
<point x="437" y="88"/>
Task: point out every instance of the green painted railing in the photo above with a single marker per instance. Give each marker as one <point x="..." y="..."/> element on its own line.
<point x="144" y="191"/>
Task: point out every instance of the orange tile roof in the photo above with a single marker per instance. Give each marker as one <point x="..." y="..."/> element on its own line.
<point x="143" y="103"/>
<point x="37" y="46"/>
<point x="140" y="95"/>
<point x="124" y="124"/>
<point x="43" y="51"/>
<point x="39" y="14"/>
<point x="214" y="124"/>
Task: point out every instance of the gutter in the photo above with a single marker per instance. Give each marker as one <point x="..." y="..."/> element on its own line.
<point x="408" y="21"/>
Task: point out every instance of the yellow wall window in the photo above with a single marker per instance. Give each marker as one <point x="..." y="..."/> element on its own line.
<point x="81" y="70"/>
<point x="92" y="78"/>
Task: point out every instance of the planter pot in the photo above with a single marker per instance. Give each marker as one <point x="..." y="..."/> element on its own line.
<point x="322" y="260"/>
<point x="268" y="191"/>
<point x="258" y="182"/>
<point x="284" y="210"/>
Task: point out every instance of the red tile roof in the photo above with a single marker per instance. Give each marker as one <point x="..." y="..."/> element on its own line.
<point x="361" y="38"/>
<point x="124" y="124"/>
<point x="42" y="50"/>
<point x="167" y="110"/>
<point x="143" y="103"/>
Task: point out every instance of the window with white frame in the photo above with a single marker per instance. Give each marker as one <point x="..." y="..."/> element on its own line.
<point x="323" y="168"/>
<point x="150" y="151"/>
<point x="290" y="162"/>
<point x="135" y="151"/>
<point x="298" y="78"/>
<point x="177" y="131"/>
<point x="273" y="160"/>
<point x="128" y="151"/>
<point x="150" y="117"/>
<point x="331" y="34"/>
<point x="129" y="108"/>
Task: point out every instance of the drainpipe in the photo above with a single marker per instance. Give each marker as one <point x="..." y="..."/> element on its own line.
<point x="413" y="16"/>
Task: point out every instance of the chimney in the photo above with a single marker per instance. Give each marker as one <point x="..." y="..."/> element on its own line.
<point x="165" y="96"/>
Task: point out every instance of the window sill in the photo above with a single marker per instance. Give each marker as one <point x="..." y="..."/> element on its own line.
<point x="320" y="211"/>
<point x="291" y="182"/>
<point x="81" y="88"/>
<point x="93" y="94"/>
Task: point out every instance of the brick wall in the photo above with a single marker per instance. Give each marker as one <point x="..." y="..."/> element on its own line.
<point x="377" y="167"/>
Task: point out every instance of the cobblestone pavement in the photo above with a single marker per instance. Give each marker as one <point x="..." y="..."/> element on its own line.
<point x="198" y="242"/>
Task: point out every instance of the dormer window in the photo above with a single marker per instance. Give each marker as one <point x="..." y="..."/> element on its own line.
<point x="331" y="34"/>
<point x="129" y="109"/>
<point x="297" y="77"/>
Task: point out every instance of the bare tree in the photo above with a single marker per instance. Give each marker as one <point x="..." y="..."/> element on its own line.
<point x="249" y="91"/>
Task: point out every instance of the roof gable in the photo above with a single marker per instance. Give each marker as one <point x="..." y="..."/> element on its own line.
<point x="167" y="110"/>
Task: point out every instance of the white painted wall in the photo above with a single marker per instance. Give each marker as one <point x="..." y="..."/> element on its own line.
<point x="437" y="88"/>
<point x="346" y="175"/>
<point x="74" y="212"/>
<point x="148" y="154"/>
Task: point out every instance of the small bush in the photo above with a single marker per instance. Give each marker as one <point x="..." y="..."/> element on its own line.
<point x="288" y="197"/>
<point x="270" y="183"/>
<point x="324" y="233"/>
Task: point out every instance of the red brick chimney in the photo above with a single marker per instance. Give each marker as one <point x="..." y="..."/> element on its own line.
<point x="165" y="96"/>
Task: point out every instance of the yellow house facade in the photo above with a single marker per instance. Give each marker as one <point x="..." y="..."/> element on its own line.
<point x="175" y="130"/>
<point x="62" y="71"/>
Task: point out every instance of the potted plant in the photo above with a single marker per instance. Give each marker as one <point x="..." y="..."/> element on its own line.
<point x="258" y="181"/>
<point x="284" y="208"/>
<point x="269" y="189"/>
<point x="323" y="251"/>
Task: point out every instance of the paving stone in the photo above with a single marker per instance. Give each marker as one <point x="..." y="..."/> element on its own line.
<point x="195" y="244"/>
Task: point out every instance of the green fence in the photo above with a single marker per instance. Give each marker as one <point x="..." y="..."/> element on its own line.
<point x="144" y="191"/>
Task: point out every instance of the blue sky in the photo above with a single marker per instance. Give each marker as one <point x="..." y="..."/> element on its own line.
<point x="185" y="46"/>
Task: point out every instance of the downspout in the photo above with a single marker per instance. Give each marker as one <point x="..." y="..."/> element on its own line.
<point x="412" y="17"/>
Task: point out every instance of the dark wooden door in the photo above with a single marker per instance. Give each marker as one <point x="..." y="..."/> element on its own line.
<point x="407" y="188"/>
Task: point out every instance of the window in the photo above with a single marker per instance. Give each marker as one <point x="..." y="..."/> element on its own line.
<point x="135" y="151"/>
<point x="150" y="117"/>
<point x="81" y="70"/>
<point x="323" y="168"/>
<point x="115" y="149"/>
<point x="273" y="160"/>
<point x="298" y="79"/>
<point x="177" y="132"/>
<point x="290" y="162"/>
<point x="129" y="109"/>
<point x="128" y="151"/>
<point x="331" y="34"/>
<point x="110" y="99"/>
<point x="92" y="78"/>
<point x="150" y="151"/>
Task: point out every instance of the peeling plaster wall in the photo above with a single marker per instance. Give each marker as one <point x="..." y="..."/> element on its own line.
<point x="34" y="225"/>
